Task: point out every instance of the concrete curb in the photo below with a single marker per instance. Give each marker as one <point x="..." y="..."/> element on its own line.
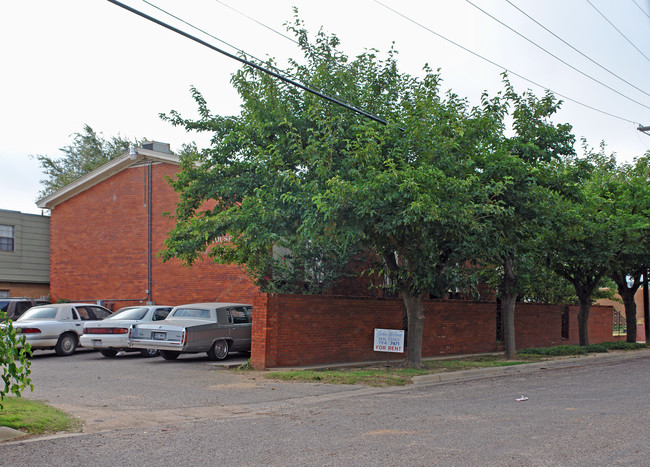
<point x="590" y="359"/>
<point x="7" y="434"/>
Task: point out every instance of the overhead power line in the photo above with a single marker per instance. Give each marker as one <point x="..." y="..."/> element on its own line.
<point x="503" y="67"/>
<point x="556" y="57"/>
<point x="644" y="12"/>
<point x="574" y="49"/>
<point x="618" y="30"/>
<point x="251" y="64"/>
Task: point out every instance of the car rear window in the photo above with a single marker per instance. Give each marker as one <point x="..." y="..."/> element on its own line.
<point x="196" y="313"/>
<point x="130" y="313"/>
<point x="44" y="312"/>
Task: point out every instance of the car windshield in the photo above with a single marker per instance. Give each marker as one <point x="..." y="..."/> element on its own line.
<point x="196" y="313"/>
<point x="4" y="305"/>
<point x="130" y="313"/>
<point x="39" y="312"/>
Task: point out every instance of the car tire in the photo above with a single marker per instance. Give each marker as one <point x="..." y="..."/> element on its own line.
<point x="66" y="344"/>
<point x="219" y="350"/>
<point x="148" y="353"/>
<point x="108" y="353"/>
<point x="169" y="354"/>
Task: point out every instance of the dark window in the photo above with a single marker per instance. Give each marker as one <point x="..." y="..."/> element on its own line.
<point x="97" y="312"/>
<point x="6" y="237"/>
<point x="161" y="313"/>
<point x="239" y="316"/>
<point x="22" y="307"/>
<point x="83" y="313"/>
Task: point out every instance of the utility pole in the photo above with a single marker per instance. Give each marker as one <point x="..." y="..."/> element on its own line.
<point x="646" y="295"/>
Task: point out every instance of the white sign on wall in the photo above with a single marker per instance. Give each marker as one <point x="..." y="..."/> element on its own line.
<point x="389" y="340"/>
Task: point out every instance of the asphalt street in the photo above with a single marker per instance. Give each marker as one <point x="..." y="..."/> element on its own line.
<point x="591" y="411"/>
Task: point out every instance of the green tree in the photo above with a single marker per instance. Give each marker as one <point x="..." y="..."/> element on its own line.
<point x="297" y="181"/>
<point x="629" y="194"/>
<point x="88" y="151"/>
<point x="583" y="243"/>
<point x="519" y="159"/>
<point x="14" y="361"/>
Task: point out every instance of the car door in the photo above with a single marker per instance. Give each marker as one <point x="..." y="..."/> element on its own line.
<point x="240" y="327"/>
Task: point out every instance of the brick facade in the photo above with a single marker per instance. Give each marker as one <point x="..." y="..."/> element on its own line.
<point x="294" y="330"/>
<point x="100" y="249"/>
<point x="99" y="246"/>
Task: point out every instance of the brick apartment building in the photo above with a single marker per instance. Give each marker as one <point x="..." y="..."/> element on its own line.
<point x="108" y="227"/>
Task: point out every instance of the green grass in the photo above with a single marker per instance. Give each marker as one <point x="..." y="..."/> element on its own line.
<point x="377" y="374"/>
<point x="35" y="417"/>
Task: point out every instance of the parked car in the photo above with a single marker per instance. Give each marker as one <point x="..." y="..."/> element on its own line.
<point x="111" y="335"/>
<point x="58" y="326"/>
<point x="16" y="306"/>
<point x="214" y="328"/>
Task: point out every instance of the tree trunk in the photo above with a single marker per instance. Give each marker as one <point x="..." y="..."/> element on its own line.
<point x="583" y="318"/>
<point x="627" y="294"/>
<point x="415" y="313"/>
<point x="508" y="301"/>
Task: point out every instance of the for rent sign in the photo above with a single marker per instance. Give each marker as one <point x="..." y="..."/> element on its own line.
<point x="389" y="340"/>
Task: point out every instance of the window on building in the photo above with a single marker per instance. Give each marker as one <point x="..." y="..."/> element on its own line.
<point x="4" y="294"/>
<point x="6" y="237"/>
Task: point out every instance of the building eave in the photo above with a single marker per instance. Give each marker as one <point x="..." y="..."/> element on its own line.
<point x="104" y="172"/>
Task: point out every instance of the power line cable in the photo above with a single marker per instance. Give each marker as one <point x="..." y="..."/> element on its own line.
<point x="214" y="37"/>
<point x="556" y="57"/>
<point x="258" y="22"/>
<point x="576" y="50"/>
<point x="251" y="64"/>
<point x="644" y="12"/>
<point x="502" y="67"/>
<point x="618" y="30"/>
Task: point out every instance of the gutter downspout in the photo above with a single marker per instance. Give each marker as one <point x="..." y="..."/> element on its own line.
<point x="149" y="231"/>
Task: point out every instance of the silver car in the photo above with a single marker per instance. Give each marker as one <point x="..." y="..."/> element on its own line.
<point x="58" y="326"/>
<point x="214" y="328"/>
<point x="111" y="335"/>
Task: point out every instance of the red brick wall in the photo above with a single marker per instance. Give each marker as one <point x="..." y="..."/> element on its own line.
<point x="295" y="330"/>
<point x="99" y="248"/>
<point x="17" y="289"/>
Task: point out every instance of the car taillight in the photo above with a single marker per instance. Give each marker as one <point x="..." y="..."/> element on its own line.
<point x="106" y="331"/>
<point x="184" y="337"/>
<point x="28" y="330"/>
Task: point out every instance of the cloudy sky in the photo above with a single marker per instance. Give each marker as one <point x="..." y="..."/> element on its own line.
<point x="73" y="62"/>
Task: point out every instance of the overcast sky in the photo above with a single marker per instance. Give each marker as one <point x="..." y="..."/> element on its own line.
<point x="67" y="63"/>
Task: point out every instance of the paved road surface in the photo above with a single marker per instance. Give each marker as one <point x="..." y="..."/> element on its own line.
<point x="153" y="412"/>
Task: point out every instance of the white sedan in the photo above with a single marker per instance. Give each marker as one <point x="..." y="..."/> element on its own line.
<point x="111" y="335"/>
<point x="58" y="326"/>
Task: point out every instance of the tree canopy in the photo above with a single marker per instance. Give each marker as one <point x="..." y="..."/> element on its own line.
<point x="87" y="151"/>
<point x="309" y="192"/>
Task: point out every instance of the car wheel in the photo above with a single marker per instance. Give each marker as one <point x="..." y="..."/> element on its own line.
<point x="219" y="350"/>
<point x="66" y="345"/>
<point x="169" y="354"/>
<point x="110" y="353"/>
<point x="148" y="353"/>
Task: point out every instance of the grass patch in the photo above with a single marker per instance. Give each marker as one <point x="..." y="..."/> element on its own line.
<point x="35" y="417"/>
<point x="376" y="374"/>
